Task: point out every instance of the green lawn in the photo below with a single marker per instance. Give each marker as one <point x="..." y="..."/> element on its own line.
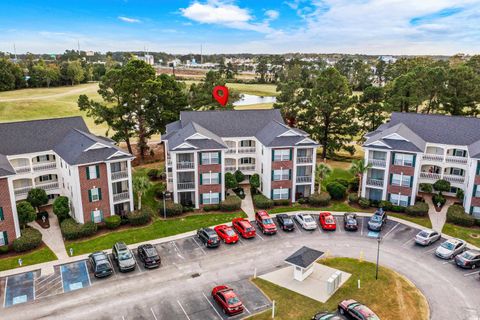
<point x="337" y="173"/>
<point x="158" y="229"/>
<point x="471" y="235"/>
<point x="335" y="206"/>
<point x="38" y="256"/>
<point x="423" y="221"/>
<point x="404" y="301"/>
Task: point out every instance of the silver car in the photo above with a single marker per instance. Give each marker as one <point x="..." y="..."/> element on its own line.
<point x="450" y="248"/>
<point x="124" y="257"/>
<point x="306" y="221"/>
<point x="426" y="237"/>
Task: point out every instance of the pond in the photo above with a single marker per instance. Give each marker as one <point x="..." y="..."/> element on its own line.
<point x="248" y="99"/>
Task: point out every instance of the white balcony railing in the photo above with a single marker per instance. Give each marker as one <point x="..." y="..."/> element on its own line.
<point x="375" y="182"/>
<point x="377" y="163"/>
<point x="454" y="178"/>
<point x="433" y="157"/>
<point x="232" y="150"/>
<point x="121" y="196"/>
<point x="457" y="160"/>
<point x="246" y="150"/>
<point x="119" y="175"/>
<point x="230" y="168"/>
<point x="22" y="190"/>
<point x="304" y="159"/>
<point x="25" y="169"/>
<point x="304" y="179"/>
<point x="185" y="165"/>
<point x="250" y="167"/>
<point x="44" y="166"/>
<point x="185" y="185"/>
<point x="430" y="175"/>
<point x="48" y="186"/>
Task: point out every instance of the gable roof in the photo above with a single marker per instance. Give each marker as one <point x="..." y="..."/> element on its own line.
<point x="180" y="137"/>
<point x="397" y="137"/>
<point x="304" y="257"/>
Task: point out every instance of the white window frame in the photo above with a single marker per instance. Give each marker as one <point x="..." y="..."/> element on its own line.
<point x="210" y="198"/>
<point x="209" y="157"/>
<point x="210" y="178"/>
<point x="280" y="194"/>
<point x="281" y="174"/>
<point x="458" y="170"/>
<point x="477" y="193"/>
<point x="92" y="172"/>
<point x="458" y="150"/>
<point x="2" y="239"/>
<point x="402" y="159"/>
<point x="95" y="213"/>
<point x="281" y="155"/>
<point x="476" y="212"/>
<point x="396" y="199"/>
<point x="95" y="195"/>
<point x="401" y="180"/>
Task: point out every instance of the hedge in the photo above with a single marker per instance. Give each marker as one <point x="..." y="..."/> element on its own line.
<point x="319" y="199"/>
<point x="364" y="203"/>
<point x="211" y="207"/>
<point x="438" y="198"/>
<point x="172" y="209"/>
<point x="426" y="187"/>
<point x="231" y="203"/>
<point x="72" y="230"/>
<point x="262" y="202"/>
<point x="396" y="208"/>
<point x="420" y="209"/>
<point x="30" y="239"/>
<point x="154" y="174"/>
<point x="113" y="222"/>
<point x="4" y="249"/>
<point x="353" y="198"/>
<point x="88" y="229"/>
<point x="456" y="215"/>
<point x="385" y="205"/>
<point x="336" y="190"/>
<point x="343" y="182"/>
<point x="281" y="202"/>
<point x="353" y="184"/>
<point x="158" y="189"/>
<point x="138" y="218"/>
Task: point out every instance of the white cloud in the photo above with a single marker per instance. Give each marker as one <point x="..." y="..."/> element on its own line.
<point x="129" y="20"/>
<point x="272" y="14"/>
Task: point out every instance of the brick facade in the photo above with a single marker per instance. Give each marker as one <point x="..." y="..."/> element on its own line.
<point x="475" y="202"/>
<point x="477" y="180"/>
<point x="8" y="223"/>
<point x="404" y="191"/>
<point x="86" y="185"/>
<point x="407" y="171"/>
<point x="285" y="184"/>
<point x="207" y="188"/>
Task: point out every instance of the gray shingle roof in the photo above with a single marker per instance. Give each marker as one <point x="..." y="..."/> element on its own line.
<point x="178" y="137"/>
<point x="304" y="257"/>
<point x="6" y="168"/>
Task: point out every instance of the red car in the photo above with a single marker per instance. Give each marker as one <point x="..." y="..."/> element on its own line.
<point x="327" y="221"/>
<point x="244" y="227"/>
<point x="226" y="233"/>
<point x="227" y="300"/>
<point x="265" y="223"/>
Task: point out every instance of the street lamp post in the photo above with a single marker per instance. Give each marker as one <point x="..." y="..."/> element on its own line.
<point x="164" y="207"/>
<point x="378" y="256"/>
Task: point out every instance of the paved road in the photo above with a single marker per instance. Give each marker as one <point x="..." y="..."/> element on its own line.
<point x="180" y="288"/>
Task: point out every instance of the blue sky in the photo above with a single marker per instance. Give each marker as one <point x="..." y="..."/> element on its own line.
<point x="228" y="26"/>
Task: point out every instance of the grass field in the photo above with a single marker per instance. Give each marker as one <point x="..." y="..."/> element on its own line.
<point x="471" y="235"/>
<point x="403" y="301"/>
<point x="43" y="254"/>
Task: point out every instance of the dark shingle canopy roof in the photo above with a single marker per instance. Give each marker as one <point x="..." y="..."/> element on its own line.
<point x="6" y="168"/>
<point x="304" y="257"/>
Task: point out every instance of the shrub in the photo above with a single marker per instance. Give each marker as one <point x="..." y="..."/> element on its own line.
<point x="364" y="203"/>
<point x="385" y="205"/>
<point x="42" y="214"/>
<point x="153" y="174"/>
<point x="230" y="203"/>
<point x="113" y="222"/>
<point x="239" y="176"/>
<point x="211" y="207"/>
<point x="353" y="198"/>
<point x="460" y="194"/>
<point x="343" y="182"/>
<point x="158" y="189"/>
<point x="303" y="200"/>
<point x="230" y="181"/>
<point x="26" y="213"/>
<point x="70" y="229"/>
<point x="30" y="239"/>
<point x="353" y="184"/>
<point x="61" y="208"/>
<point x="396" y="208"/>
<point x="239" y="192"/>
<point x="438" y="198"/>
<point x="281" y="202"/>
<point x="426" y="187"/>
<point x="441" y="185"/>
<point x="262" y="202"/>
<point x="255" y="181"/>
<point x="319" y="199"/>
<point x="88" y="229"/>
<point x="336" y="190"/>
<point x="172" y="209"/>
<point x="456" y="215"/>
<point x="138" y="218"/>
<point x="188" y="209"/>
<point x="420" y="209"/>
<point x="37" y="197"/>
<point x="4" y="249"/>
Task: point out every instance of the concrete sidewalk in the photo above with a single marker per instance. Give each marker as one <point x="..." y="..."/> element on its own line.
<point x="52" y="237"/>
<point x="438" y="219"/>
<point x="247" y="203"/>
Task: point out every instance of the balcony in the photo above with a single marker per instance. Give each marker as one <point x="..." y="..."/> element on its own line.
<point x="121" y="196"/>
<point x="304" y="179"/>
<point x="246" y="150"/>
<point x="250" y="167"/>
<point x="377" y="163"/>
<point x="185" y="185"/>
<point x="432" y="157"/>
<point x="44" y="166"/>
<point x="304" y="159"/>
<point x="22" y="190"/>
<point x="119" y="175"/>
<point x="25" y="169"/>
<point x="375" y="182"/>
<point x="454" y="178"/>
<point x="456" y="160"/>
<point x="230" y="168"/>
<point x="48" y="186"/>
<point x="169" y="162"/>
<point x="430" y="176"/>
<point x="231" y="150"/>
<point x="170" y="180"/>
<point x="185" y="165"/>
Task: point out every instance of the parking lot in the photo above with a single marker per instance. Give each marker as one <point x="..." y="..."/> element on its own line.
<point x="189" y="271"/>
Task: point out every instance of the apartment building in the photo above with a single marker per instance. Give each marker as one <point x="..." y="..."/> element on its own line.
<point x="62" y="157"/>
<point x="416" y="148"/>
<point x="203" y="145"/>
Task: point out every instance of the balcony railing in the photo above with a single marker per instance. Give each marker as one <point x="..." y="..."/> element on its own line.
<point x="454" y="178"/>
<point x="246" y="150"/>
<point x="185" y="185"/>
<point x="249" y="167"/>
<point x="121" y="196"/>
<point x="169" y="162"/>
<point x="185" y="165"/>
<point x="119" y="175"/>
<point x="375" y="182"/>
<point x="304" y="159"/>
<point x="170" y="180"/>
<point x="48" y="186"/>
<point x="430" y="175"/>
<point x="304" y="179"/>
<point x="22" y="190"/>
<point x="377" y="163"/>
<point x="44" y="166"/>
<point x="25" y="169"/>
<point x="230" y="168"/>
<point x="457" y="160"/>
<point x="231" y="150"/>
<point x="433" y="157"/>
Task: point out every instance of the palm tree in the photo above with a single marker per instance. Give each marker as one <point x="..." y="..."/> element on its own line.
<point x="321" y="172"/>
<point x="358" y="169"/>
<point x="140" y="185"/>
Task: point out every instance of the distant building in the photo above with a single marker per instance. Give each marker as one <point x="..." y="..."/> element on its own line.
<point x="388" y="59"/>
<point x="148" y="58"/>
<point x="89" y="53"/>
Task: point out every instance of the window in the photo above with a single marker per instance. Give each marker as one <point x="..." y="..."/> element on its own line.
<point x="476" y="191"/>
<point x="97" y="216"/>
<point x="459" y="153"/>
<point x="281" y="155"/>
<point x="46" y="177"/>
<point x="3" y="238"/>
<point x="402" y="159"/>
<point x="282" y="174"/>
<point x="93" y="172"/>
<point x="210" y="178"/>
<point x="95" y="194"/>
<point x="247" y="161"/>
<point x="246" y="143"/>
<point x="399" y="200"/>
<point x="43" y="158"/>
<point x="401" y="180"/>
<point x="210" y="158"/>
<point x="2" y="217"/>
<point x="210" y="198"/>
<point x="456" y="172"/>
<point x="116" y="167"/>
<point x="280" y="194"/>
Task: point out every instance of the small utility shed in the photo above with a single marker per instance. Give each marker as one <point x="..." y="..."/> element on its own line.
<point x="303" y="261"/>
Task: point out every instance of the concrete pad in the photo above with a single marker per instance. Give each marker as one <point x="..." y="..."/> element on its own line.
<point x="314" y="287"/>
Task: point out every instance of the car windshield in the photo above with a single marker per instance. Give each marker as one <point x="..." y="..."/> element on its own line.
<point x="268" y="221"/>
<point x="233" y="300"/>
<point x="151" y="252"/>
<point x="329" y="220"/>
<point x="351" y="221"/>
<point x="124" y="255"/>
<point x="308" y="219"/>
<point x="215" y="238"/>
<point x="288" y="221"/>
<point x="376" y="218"/>
<point x="229" y="232"/>
<point x="448" y="245"/>
<point x="424" y="234"/>
<point x="103" y="267"/>
<point x="469" y="256"/>
<point x="249" y="229"/>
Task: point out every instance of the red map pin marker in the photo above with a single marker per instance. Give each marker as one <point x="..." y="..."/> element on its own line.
<point x="223" y="98"/>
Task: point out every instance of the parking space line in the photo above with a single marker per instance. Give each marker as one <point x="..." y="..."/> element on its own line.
<point x="154" y="316"/>
<point x="407" y="242"/>
<point x="449" y="261"/>
<point x="388" y="233"/>
<point x="179" y="253"/>
<point x="186" y="315"/>
<point x="136" y="262"/>
<point x="218" y="314"/>
<point x="5" y="293"/>
<point x="246" y="309"/>
<point x="429" y="251"/>
<point x="470" y="274"/>
<point x="338" y="225"/>
<point x="61" y="277"/>
<point x="260" y="237"/>
<point x="88" y="276"/>
<point x="361" y="228"/>
<point x="199" y="246"/>
<point x="123" y="317"/>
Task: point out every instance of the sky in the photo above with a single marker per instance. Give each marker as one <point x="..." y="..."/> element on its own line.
<point x="409" y="27"/>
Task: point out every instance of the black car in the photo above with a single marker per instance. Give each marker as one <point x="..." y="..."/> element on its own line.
<point x="469" y="259"/>
<point x="209" y="237"/>
<point x="149" y="256"/>
<point x="285" y="222"/>
<point x="100" y="264"/>
<point x="350" y="222"/>
<point x="378" y="220"/>
<point x="327" y="316"/>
